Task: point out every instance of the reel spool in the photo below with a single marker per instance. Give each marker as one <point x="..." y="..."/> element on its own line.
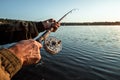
<point x="52" y="45"/>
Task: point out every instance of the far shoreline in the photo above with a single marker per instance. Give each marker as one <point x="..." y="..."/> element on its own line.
<point x="89" y="23"/>
<point x="71" y="23"/>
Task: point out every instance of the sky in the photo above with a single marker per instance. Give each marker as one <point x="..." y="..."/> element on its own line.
<point x="38" y="10"/>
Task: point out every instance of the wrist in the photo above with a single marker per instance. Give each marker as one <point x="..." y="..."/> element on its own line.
<point x="40" y="27"/>
<point x="11" y="62"/>
<point x="15" y="52"/>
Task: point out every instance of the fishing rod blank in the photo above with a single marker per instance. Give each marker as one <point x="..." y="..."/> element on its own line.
<point x="52" y="44"/>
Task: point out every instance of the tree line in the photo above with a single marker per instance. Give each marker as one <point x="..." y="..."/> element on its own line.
<point x="89" y="23"/>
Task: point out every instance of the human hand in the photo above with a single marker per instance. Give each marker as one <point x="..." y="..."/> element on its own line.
<point x="28" y="51"/>
<point x="51" y="23"/>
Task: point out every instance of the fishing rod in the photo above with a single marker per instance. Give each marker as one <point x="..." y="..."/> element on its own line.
<point x="52" y="44"/>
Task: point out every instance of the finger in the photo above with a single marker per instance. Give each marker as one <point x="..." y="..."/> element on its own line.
<point x="33" y="42"/>
<point x="35" y="50"/>
<point x="55" y="25"/>
<point x="32" y="45"/>
<point x="58" y="24"/>
<point x="35" y="58"/>
<point x="52" y="20"/>
<point x="38" y="44"/>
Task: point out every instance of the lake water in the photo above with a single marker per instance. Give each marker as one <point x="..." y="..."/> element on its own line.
<point x="88" y="53"/>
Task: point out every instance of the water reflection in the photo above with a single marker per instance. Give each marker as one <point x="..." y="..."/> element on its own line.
<point x="89" y="53"/>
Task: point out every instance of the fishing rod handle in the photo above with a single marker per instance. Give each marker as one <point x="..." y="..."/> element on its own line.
<point x="45" y="35"/>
